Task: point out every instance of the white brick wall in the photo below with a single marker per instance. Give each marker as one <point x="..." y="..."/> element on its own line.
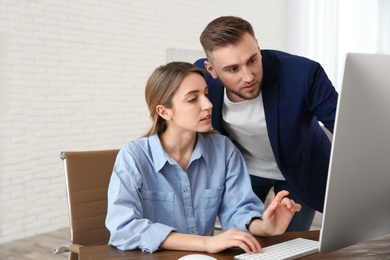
<point x="72" y="74"/>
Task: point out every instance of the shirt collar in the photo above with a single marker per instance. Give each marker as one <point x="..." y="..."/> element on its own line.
<point x="160" y="157"/>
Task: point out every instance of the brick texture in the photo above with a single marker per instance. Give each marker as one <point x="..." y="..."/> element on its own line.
<point x="72" y="74"/>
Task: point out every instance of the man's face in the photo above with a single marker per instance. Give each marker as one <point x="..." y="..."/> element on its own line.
<point x="239" y="68"/>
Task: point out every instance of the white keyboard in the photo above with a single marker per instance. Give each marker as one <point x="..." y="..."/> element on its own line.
<point x="291" y="249"/>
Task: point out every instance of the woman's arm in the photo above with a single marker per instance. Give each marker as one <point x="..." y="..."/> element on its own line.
<point x="212" y="244"/>
<point x="276" y="219"/>
<point x="241" y="208"/>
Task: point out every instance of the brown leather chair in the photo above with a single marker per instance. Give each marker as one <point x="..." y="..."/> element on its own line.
<point x="87" y="176"/>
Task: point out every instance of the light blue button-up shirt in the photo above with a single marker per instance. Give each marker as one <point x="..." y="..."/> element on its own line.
<point x="150" y="195"/>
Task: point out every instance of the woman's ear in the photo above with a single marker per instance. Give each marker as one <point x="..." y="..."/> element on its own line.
<point x="163" y="112"/>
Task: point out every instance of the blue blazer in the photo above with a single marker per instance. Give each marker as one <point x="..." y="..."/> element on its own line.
<point x="296" y="94"/>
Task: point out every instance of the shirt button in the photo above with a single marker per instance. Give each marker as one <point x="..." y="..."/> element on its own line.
<point x="154" y="194"/>
<point x="185" y="189"/>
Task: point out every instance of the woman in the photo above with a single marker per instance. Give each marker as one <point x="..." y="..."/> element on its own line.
<point x="168" y="187"/>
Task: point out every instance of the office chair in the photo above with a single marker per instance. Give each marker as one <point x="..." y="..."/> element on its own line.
<point x="87" y="177"/>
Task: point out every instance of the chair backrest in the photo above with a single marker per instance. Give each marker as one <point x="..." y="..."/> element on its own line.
<point x="87" y="177"/>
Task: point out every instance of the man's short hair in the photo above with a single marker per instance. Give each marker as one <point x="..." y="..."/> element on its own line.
<point x="223" y="31"/>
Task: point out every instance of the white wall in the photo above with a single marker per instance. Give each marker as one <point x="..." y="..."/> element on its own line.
<point x="326" y="30"/>
<point x="72" y="78"/>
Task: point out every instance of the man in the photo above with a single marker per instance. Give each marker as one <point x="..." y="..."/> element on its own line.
<point x="270" y="104"/>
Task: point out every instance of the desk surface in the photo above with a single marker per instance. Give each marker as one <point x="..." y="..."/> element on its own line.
<point x="373" y="249"/>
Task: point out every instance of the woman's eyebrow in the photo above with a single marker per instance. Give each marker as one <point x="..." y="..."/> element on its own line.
<point x="196" y="91"/>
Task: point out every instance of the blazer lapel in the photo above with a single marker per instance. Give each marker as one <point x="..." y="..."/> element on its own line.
<point x="270" y="93"/>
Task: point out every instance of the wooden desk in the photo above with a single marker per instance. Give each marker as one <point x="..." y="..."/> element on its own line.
<point x="374" y="249"/>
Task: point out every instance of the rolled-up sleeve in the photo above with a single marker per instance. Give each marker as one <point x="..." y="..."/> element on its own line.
<point x="153" y="237"/>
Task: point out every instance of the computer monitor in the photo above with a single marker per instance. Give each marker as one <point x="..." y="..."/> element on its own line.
<point x="357" y="202"/>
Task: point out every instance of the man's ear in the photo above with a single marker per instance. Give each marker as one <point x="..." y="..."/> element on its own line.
<point x="210" y="69"/>
<point x="258" y="46"/>
<point x="163" y="112"/>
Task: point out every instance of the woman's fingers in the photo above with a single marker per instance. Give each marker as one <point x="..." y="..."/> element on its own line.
<point x="246" y="241"/>
<point x="237" y="238"/>
<point x="290" y="204"/>
<point x="280" y="195"/>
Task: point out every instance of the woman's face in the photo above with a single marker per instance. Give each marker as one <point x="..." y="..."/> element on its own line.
<point x="191" y="108"/>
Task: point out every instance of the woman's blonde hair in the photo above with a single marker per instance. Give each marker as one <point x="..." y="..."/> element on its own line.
<point x="160" y="88"/>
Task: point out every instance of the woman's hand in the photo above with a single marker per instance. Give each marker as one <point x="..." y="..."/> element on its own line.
<point x="212" y="244"/>
<point x="232" y="238"/>
<point x="276" y="219"/>
<point x="279" y="213"/>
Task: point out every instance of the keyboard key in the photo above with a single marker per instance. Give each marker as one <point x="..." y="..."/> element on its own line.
<point x="291" y="249"/>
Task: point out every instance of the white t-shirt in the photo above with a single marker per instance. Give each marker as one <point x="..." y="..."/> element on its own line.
<point x="245" y="123"/>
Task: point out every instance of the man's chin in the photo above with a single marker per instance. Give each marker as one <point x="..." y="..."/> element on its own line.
<point x="250" y="95"/>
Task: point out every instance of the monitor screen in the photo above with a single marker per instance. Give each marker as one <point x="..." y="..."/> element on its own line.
<point x="357" y="202"/>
